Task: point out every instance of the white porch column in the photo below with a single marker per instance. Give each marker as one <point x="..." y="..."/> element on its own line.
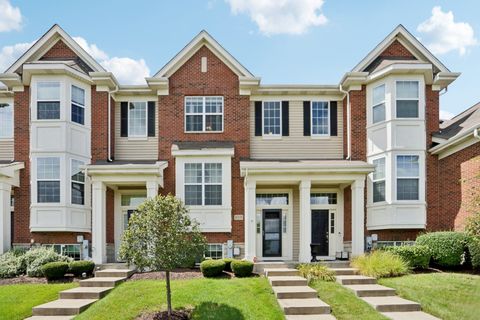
<point x="305" y="221"/>
<point x="358" y="217"/>
<point x="99" y="222"/>
<point x="152" y="189"/>
<point x="5" y="216"/>
<point x="250" y="224"/>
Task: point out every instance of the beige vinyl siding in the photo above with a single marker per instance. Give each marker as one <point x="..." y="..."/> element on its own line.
<point x="6" y="149"/>
<point x="135" y="149"/>
<point x="296" y="145"/>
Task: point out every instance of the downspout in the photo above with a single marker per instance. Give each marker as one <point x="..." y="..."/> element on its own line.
<point x="349" y="147"/>
<point x="109" y="159"/>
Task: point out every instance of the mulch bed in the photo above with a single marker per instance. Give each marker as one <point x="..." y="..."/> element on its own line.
<point x="21" y="280"/>
<point x="163" y="315"/>
<point x="174" y="275"/>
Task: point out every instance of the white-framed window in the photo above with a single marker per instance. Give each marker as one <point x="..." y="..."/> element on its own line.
<point x="320" y="122"/>
<point x="378" y="178"/>
<point x="204" y="114"/>
<point x="271" y="199"/>
<point x="318" y="198"/>
<point x="272" y="118"/>
<point x="78" y="105"/>
<point x="48" y="100"/>
<point x="408" y="177"/>
<point x="78" y="183"/>
<point x="407" y="99"/>
<point x="203" y="184"/>
<point x="137" y="119"/>
<point x="378" y="104"/>
<point x="214" y="251"/>
<point x="48" y="180"/>
<point x="6" y="120"/>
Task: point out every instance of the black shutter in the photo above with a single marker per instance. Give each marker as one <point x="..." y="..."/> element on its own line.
<point x="124" y="119"/>
<point x="306" y="118"/>
<point x="285" y="119"/>
<point x="151" y="118"/>
<point x="258" y="118"/>
<point x="333" y="118"/>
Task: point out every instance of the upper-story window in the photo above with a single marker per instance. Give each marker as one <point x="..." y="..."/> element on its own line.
<point x="378" y="108"/>
<point x="408" y="172"/>
<point x="48" y="100"/>
<point x="204" y="114"/>
<point x="320" y="118"/>
<point x="78" y="105"/>
<point x="48" y="180"/>
<point x="272" y="118"/>
<point x="78" y="183"/>
<point x="379" y="180"/>
<point x="137" y="119"/>
<point x="407" y="99"/>
<point x="6" y="120"/>
<point x="203" y="184"/>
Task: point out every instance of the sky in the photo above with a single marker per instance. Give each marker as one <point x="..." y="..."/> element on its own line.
<point x="281" y="41"/>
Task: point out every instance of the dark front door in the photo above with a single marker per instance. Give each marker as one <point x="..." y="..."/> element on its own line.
<point x="320" y="231"/>
<point x="272" y="233"/>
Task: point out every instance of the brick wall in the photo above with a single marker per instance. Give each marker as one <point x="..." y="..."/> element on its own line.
<point x="358" y="115"/>
<point x="395" y="50"/>
<point x="99" y="141"/>
<point x="59" y="50"/>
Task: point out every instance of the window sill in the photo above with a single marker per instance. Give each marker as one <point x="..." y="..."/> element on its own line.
<point x="197" y="132"/>
<point x="6" y="138"/>
<point x="272" y="137"/>
<point x="137" y="138"/>
<point x="320" y="137"/>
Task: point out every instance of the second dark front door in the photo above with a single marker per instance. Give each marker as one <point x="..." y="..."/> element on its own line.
<point x="272" y="233"/>
<point x="320" y="231"/>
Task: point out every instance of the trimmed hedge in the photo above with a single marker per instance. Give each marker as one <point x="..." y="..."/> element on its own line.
<point x="228" y="262"/>
<point x="447" y="247"/>
<point x="242" y="268"/>
<point x="474" y="249"/>
<point x="79" y="267"/>
<point x="212" y="268"/>
<point x="55" y="270"/>
<point x="417" y="256"/>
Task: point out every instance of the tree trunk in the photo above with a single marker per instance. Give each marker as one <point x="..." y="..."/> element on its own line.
<point x="169" y="295"/>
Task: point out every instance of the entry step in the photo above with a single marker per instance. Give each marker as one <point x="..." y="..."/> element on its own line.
<point x="344" y="271"/>
<point x="63" y="307"/>
<point x="287" y="281"/>
<point x="294" y="292"/>
<point x="303" y="306"/>
<point x="109" y="282"/>
<point x="371" y="290"/>
<point x="392" y="304"/>
<point x="85" y="293"/>
<point x="310" y="317"/>
<point x="276" y="272"/>
<point x="413" y="315"/>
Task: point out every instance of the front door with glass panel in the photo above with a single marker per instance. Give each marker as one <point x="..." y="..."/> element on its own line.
<point x="272" y="233"/>
<point x="128" y="204"/>
<point x="320" y="231"/>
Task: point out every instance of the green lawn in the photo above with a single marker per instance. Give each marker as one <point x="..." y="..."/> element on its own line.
<point x="450" y="296"/>
<point x="17" y="300"/>
<point x="247" y="298"/>
<point x="344" y="303"/>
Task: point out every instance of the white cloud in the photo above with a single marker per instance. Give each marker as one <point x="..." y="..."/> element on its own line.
<point x="10" y="17"/>
<point x="92" y="49"/>
<point x="127" y="70"/>
<point x="281" y="16"/>
<point x="446" y="115"/>
<point x="10" y="54"/>
<point x="442" y="34"/>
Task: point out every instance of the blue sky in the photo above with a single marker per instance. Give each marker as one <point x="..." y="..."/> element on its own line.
<point x="281" y="41"/>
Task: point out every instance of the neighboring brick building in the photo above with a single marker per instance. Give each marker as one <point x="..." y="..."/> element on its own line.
<point x="267" y="170"/>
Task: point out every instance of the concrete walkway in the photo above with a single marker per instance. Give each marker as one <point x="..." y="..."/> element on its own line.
<point x="74" y="301"/>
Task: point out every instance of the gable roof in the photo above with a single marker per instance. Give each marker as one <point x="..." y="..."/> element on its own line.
<point x="203" y="39"/>
<point x="460" y="124"/>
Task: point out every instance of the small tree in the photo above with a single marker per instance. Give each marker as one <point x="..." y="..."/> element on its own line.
<point x="161" y="237"/>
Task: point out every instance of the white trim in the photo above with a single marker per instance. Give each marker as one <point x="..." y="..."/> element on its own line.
<point x="384" y="85"/>
<point x="396" y="99"/>
<point x="10" y="103"/>
<point x="146" y="120"/>
<point x="78" y="104"/>
<point x="317" y="135"/>
<point x="277" y="135"/>
<point x="395" y="182"/>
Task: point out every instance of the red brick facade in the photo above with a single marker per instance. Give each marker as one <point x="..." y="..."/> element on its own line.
<point x="395" y="50"/>
<point x="59" y="50"/>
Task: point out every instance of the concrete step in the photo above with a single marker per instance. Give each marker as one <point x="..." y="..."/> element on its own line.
<point x="310" y="317"/>
<point x="344" y="271"/>
<point x="371" y="290"/>
<point x="303" y="306"/>
<point x="294" y="292"/>
<point x="355" y="279"/>
<point x="287" y="281"/>
<point x="62" y="307"/>
<point x="85" y="293"/>
<point x="413" y="315"/>
<point x="281" y="272"/>
<point x="109" y="282"/>
<point x="259" y="267"/>
<point x="392" y="304"/>
<point x="50" y="318"/>
<point x="336" y="264"/>
<point x="115" y="273"/>
<point x="118" y="266"/>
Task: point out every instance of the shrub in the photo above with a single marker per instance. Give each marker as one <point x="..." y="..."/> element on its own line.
<point x="417" y="256"/>
<point x="79" y="267"/>
<point x="242" y="268"/>
<point x="381" y="264"/>
<point x="212" y="268"/>
<point x="10" y="265"/>
<point x="315" y="271"/>
<point x="54" y="270"/>
<point x="447" y="247"/>
<point x="228" y="266"/>
<point x="474" y="249"/>
<point x="472" y="226"/>
<point x="35" y="258"/>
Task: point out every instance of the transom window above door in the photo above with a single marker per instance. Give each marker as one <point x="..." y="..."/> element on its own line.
<point x="204" y="114"/>
<point x="323" y="198"/>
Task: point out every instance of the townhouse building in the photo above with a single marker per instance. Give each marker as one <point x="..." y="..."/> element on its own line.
<point x="271" y="172"/>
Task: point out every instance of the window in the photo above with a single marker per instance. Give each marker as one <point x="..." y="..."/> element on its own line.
<point x="48" y="100"/>
<point x="137" y="119"/>
<point x="320" y="118"/>
<point x="70" y="250"/>
<point x="267" y="199"/>
<point x="214" y="251"/>
<point x="408" y="171"/>
<point x="78" y="183"/>
<point x="132" y="200"/>
<point x="323" y="198"/>
<point x="203" y="114"/>
<point x="272" y="118"/>
<point x="203" y="184"/>
<point x="48" y="180"/>
<point x="6" y="120"/>
<point x="379" y="180"/>
<point x="78" y="105"/>
<point x="407" y="99"/>
<point x="378" y="109"/>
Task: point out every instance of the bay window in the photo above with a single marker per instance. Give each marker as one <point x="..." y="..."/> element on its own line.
<point x="379" y="180"/>
<point x="203" y="184"/>
<point x="407" y="99"/>
<point x="48" y="180"/>
<point x="78" y="105"/>
<point x="204" y="114"/>
<point x="6" y="120"/>
<point x="378" y="109"/>
<point x="408" y="172"/>
<point x="137" y="119"/>
<point x="48" y="100"/>
<point x="78" y="183"/>
<point x="272" y="118"/>
<point x="320" y="118"/>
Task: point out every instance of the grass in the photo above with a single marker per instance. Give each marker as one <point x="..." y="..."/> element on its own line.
<point x="449" y="296"/>
<point x="17" y="300"/>
<point x="344" y="303"/>
<point x="247" y="298"/>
